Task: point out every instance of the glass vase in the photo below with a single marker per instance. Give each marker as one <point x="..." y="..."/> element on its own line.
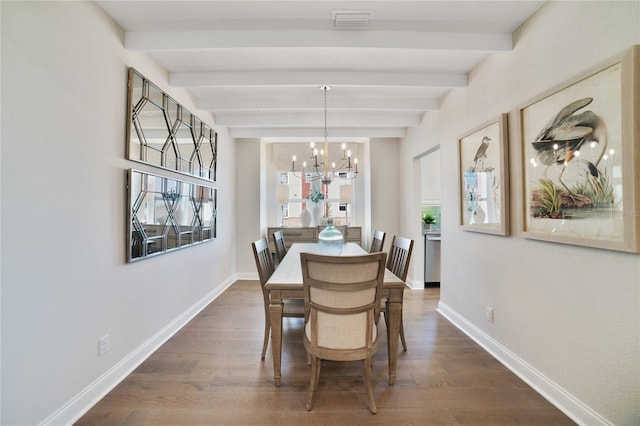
<point x="330" y="239"/>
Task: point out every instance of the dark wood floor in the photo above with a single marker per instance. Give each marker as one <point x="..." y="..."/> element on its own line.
<point x="210" y="373"/>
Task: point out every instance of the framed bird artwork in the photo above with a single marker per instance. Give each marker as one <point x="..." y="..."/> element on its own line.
<point x="580" y="159"/>
<point x="484" y="178"/>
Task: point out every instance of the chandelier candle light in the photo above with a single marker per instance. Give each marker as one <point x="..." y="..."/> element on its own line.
<point x="321" y="170"/>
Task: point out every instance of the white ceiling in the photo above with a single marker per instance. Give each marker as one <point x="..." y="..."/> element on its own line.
<point x="258" y="65"/>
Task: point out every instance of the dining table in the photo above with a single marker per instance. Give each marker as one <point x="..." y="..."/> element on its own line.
<point x="286" y="283"/>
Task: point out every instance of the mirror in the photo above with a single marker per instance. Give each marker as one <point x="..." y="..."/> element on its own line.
<point x="166" y="214"/>
<point x="162" y="133"/>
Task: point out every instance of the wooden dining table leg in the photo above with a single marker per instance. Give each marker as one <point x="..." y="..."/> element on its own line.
<point x="275" y="317"/>
<point x="394" y="311"/>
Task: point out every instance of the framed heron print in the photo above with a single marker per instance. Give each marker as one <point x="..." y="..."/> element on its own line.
<point x="483" y="176"/>
<point x="581" y="159"/>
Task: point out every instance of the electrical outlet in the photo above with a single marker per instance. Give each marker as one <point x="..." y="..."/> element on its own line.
<point x="103" y="345"/>
<point x="489" y="314"/>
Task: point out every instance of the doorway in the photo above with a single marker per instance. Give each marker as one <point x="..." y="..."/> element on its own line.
<point x="430" y="212"/>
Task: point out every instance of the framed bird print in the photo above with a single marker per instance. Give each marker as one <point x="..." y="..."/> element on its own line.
<point x="580" y="159"/>
<point x="483" y="177"/>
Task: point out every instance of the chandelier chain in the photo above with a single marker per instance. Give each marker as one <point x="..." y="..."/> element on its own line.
<point x="324" y="88"/>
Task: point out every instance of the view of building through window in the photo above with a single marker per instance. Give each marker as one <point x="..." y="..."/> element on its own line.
<point x="300" y="189"/>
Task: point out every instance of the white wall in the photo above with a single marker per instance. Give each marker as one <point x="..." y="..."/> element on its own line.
<point x="430" y="180"/>
<point x="386" y="189"/>
<point x="248" y="204"/>
<point x="567" y="318"/>
<point x="65" y="282"/>
<point x="0" y="229"/>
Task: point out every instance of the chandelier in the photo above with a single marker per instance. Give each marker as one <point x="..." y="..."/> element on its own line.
<point x="319" y="168"/>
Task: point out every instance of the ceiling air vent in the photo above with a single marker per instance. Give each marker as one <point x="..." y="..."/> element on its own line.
<point x="351" y="19"/>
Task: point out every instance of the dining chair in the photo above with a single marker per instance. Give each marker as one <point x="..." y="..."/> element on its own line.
<point x="341" y="312"/>
<point x="398" y="263"/>
<point x="281" y="249"/>
<point x="293" y="308"/>
<point x="377" y="243"/>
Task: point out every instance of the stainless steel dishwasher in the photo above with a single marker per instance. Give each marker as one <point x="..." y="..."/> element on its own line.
<point x="432" y="259"/>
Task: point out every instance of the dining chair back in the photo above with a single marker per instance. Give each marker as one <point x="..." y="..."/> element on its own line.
<point x="342" y="307"/>
<point x="399" y="256"/>
<point x="281" y="249"/>
<point x="264" y="263"/>
<point x="377" y="243"/>
<point x="398" y="263"/>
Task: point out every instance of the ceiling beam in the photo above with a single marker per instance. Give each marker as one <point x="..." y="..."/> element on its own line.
<point x="315" y="78"/>
<point x="302" y="103"/>
<point x="317" y="132"/>
<point x="312" y="119"/>
<point x="155" y="41"/>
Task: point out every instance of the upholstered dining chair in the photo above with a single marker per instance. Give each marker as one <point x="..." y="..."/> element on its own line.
<point x="341" y="312"/>
<point x="398" y="263"/>
<point x="377" y="243"/>
<point x="278" y="240"/>
<point x="291" y="307"/>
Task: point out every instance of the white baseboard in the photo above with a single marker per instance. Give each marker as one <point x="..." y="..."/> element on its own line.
<point x="415" y="284"/>
<point x="81" y="403"/>
<point x="563" y="400"/>
<point x="248" y="276"/>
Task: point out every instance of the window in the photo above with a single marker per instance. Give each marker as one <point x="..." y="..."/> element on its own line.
<point x="299" y="189"/>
